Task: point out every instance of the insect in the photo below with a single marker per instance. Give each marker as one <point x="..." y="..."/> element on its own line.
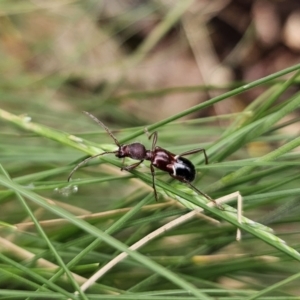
<point x="177" y="166"/>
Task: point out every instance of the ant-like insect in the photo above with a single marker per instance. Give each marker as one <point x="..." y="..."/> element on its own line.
<point x="177" y="166"/>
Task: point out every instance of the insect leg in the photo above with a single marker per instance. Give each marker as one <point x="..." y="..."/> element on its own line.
<point x="131" y="167"/>
<point x="153" y="181"/>
<point x="155" y="136"/>
<point x="203" y="194"/>
<point x="197" y="191"/>
<point x="193" y="152"/>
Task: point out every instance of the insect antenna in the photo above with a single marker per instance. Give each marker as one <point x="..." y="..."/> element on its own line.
<point x="86" y="160"/>
<point x="103" y="126"/>
<point x="94" y="156"/>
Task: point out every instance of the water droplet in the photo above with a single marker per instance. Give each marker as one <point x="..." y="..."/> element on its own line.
<point x="30" y="186"/>
<point x="67" y="190"/>
<point x="27" y="119"/>
<point x="74" y="189"/>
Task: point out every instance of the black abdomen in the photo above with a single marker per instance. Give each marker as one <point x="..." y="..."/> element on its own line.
<point x="184" y="169"/>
